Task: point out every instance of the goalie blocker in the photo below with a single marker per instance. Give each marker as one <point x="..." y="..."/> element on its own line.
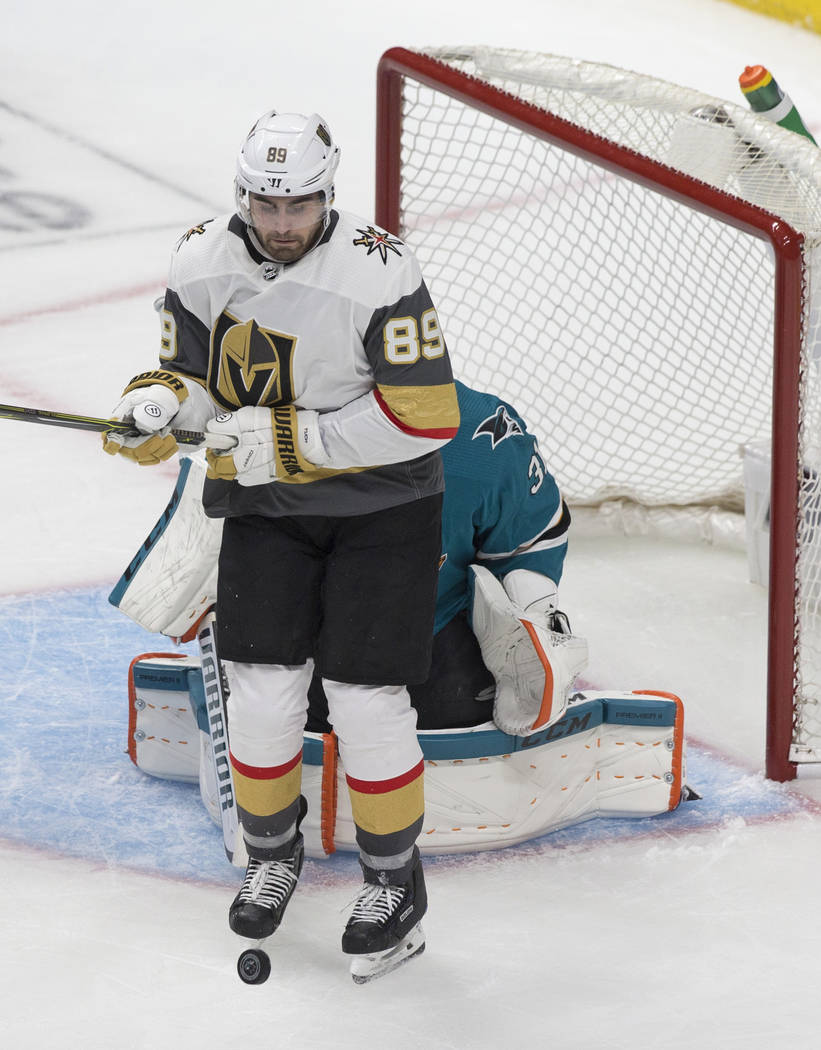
<point x="611" y="754"/>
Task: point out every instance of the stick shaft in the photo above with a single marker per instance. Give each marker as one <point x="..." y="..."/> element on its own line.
<point x="102" y="426"/>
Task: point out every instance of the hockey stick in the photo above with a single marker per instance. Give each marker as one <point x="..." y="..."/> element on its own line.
<point x="101" y="426"/>
<point x="218" y="729"/>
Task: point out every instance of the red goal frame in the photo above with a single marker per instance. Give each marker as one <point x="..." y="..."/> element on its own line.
<point x="398" y="63"/>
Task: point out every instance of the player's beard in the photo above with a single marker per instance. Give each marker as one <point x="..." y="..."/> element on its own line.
<point x="291" y="245"/>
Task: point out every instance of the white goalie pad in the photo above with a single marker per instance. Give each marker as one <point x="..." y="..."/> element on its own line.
<point x="534" y="667"/>
<point x="163" y="737"/>
<point x="613" y="754"/>
<point x="170" y="735"/>
<point x="172" y="579"/>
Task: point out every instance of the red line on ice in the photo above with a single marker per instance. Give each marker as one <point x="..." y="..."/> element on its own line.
<point x="114" y="296"/>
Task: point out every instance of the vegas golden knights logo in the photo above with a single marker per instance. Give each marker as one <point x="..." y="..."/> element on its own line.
<point x="250" y="365"/>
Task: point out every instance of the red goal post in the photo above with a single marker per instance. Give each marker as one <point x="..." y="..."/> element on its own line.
<point x="631" y="263"/>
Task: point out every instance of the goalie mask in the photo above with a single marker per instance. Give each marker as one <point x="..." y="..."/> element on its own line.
<point x="286" y="155"/>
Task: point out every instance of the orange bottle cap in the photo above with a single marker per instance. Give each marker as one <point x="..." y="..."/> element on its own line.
<point x="754" y="77"/>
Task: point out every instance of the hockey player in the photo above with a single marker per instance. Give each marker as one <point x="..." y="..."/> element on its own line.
<point x="504" y="519"/>
<point x="305" y="343"/>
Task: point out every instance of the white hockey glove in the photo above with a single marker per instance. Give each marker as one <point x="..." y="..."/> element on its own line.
<point x="150" y="402"/>
<point x="255" y="446"/>
<point x="534" y="666"/>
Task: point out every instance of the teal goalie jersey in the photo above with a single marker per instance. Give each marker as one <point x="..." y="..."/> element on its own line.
<point x="502" y="508"/>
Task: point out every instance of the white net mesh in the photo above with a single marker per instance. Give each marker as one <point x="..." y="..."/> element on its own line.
<point x="634" y="332"/>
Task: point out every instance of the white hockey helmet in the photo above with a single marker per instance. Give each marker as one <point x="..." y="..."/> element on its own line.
<point x="286" y="155"/>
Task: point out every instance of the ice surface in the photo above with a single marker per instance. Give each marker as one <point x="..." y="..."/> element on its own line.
<point x="699" y="929"/>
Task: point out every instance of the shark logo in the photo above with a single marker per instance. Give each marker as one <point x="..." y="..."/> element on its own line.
<point x="498" y="427"/>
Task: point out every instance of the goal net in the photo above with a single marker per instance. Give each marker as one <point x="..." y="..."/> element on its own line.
<point x="635" y="266"/>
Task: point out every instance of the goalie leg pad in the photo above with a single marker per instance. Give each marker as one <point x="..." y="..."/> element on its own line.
<point x="163" y="738"/>
<point x="613" y="755"/>
<point x="534" y="667"/>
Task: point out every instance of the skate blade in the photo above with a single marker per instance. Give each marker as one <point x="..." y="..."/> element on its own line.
<point x="366" y="968"/>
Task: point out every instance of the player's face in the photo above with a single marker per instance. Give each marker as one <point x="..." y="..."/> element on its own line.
<point x="287" y="226"/>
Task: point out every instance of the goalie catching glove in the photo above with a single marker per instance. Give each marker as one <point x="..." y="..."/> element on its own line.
<point x="533" y="657"/>
<point x="255" y="446"/>
<point x="150" y="402"/>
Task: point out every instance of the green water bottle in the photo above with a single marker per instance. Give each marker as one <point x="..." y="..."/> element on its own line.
<point x="765" y="97"/>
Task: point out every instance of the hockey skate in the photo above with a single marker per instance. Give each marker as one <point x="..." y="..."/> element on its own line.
<point x="384" y="929"/>
<point x="257" y="910"/>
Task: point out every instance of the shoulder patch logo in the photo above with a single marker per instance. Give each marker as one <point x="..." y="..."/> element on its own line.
<point x="498" y="427"/>
<point x="377" y="241"/>
<point x="200" y="229"/>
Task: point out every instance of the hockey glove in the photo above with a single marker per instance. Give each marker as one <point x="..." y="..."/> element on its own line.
<point x="255" y="446"/>
<point x="150" y="402"/>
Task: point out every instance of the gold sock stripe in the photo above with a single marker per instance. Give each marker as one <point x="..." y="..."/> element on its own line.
<point x="382" y="812"/>
<point x="266" y="791"/>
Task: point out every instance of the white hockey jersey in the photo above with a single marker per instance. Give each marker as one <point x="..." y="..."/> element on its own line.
<point x="348" y="330"/>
